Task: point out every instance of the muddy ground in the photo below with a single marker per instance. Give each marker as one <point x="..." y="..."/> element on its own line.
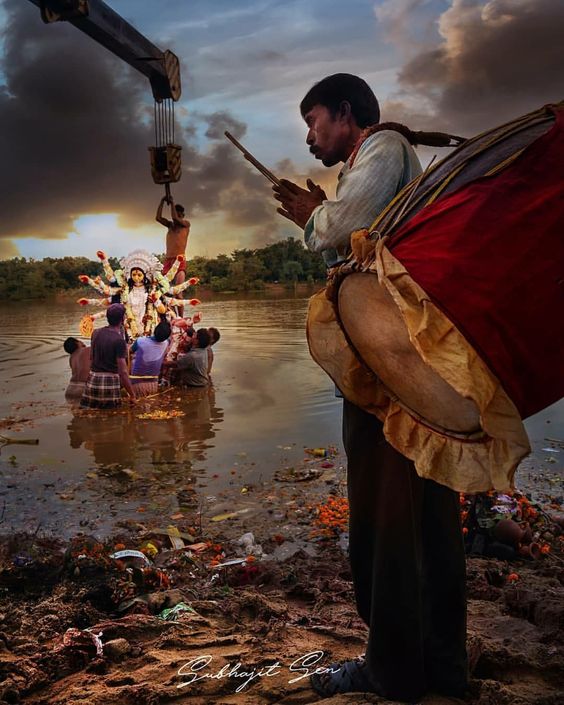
<point x="292" y="598"/>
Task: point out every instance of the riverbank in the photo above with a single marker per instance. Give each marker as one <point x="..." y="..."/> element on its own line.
<point x="267" y="290"/>
<point x="77" y="624"/>
<point x="242" y="271"/>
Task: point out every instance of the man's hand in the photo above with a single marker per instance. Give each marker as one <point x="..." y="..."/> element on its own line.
<point x="297" y="203"/>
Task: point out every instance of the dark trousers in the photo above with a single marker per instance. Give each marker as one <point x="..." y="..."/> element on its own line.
<point x="408" y="566"/>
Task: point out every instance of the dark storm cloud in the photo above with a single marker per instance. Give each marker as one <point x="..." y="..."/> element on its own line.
<point x="75" y="135"/>
<point x="495" y="60"/>
<point x="221" y="121"/>
<point x="71" y="139"/>
<point x="219" y="179"/>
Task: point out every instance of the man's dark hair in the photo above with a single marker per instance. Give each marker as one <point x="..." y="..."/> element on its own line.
<point x="215" y="335"/>
<point x="162" y="331"/>
<point x="179" y="208"/>
<point x="70" y="345"/>
<point x="203" y="337"/>
<point x="333" y="90"/>
<point x="115" y="314"/>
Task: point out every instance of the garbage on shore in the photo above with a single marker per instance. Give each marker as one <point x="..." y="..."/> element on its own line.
<point x="103" y="613"/>
<point x="508" y="527"/>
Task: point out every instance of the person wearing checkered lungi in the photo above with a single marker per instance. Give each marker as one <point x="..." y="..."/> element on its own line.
<point x="108" y="371"/>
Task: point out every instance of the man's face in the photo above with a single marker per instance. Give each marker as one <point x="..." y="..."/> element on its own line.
<point x="326" y="136"/>
<point x="179" y="212"/>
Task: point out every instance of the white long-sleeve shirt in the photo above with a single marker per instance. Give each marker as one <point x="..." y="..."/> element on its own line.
<point x="385" y="163"/>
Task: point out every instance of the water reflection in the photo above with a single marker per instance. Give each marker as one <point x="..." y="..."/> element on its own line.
<point x="121" y="438"/>
<point x="268" y="394"/>
<point x="269" y="401"/>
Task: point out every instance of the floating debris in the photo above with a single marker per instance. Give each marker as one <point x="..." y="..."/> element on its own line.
<point x="160" y="415"/>
<point x="317" y="452"/>
<point x="5" y="441"/>
<point x="230" y="515"/>
<point x="297" y="474"/>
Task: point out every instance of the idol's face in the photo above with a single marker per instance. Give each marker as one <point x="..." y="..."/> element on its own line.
<point x="138" y="275"/>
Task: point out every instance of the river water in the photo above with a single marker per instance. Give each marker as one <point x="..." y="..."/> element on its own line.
<point x="269" y="401"/>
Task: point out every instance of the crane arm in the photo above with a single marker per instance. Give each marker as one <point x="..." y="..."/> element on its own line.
<point x="99" y="21"/>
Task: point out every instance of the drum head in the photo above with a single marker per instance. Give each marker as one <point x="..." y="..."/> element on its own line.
<point x="375" y="328"/>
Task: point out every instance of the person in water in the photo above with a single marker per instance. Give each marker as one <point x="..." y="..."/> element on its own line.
<point x="149" y="353"/>
<point x="79" y="362"/>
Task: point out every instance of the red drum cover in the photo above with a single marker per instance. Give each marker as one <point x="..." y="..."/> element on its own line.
<point x="490" y="255"/>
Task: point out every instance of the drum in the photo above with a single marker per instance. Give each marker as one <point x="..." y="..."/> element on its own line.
<point x="447" y="321"/>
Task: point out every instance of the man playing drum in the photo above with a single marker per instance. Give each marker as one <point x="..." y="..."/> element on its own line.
<point x="406" y="548"/>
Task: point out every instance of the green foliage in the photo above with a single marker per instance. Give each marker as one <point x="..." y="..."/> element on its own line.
<point x="243" y="270"/>
<point x="32" y="279"/>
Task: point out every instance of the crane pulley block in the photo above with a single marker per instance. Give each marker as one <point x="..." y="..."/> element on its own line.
<point x="166" y="164"/>
<point x="60" y="10"/>
<point x="167" y="86"/>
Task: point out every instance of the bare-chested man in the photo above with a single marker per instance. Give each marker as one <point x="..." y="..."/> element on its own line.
<point x="79" y="363"/>
<point x="176" y="239"/>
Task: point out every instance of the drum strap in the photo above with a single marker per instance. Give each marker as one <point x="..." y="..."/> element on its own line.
<point x="429" y="139"/>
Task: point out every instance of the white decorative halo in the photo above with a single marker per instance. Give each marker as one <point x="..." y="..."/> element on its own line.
<point x="140" y="259"/>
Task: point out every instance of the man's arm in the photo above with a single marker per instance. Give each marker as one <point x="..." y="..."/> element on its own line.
<point x="159" y="217"/>
<point x="210" y="360"/>
<point x="124" y="377"/>
<point x="180" y="222"/>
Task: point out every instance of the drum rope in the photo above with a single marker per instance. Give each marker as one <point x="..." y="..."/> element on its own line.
<point x="410" y="196"/>
<point x="434" y="190"/>
<point x="428" y="139"/>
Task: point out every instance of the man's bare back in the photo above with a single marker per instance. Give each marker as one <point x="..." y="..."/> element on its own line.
<point x="79" y="363"/>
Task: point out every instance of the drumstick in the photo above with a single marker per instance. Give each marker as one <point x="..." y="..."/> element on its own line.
<point x="255" y="162"/>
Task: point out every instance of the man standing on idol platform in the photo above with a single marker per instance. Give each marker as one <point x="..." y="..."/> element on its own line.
<point x="178" y="230"/>
<point x="406" y="546"/>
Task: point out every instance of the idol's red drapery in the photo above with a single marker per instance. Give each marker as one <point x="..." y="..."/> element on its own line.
<point x="491" y="257"/>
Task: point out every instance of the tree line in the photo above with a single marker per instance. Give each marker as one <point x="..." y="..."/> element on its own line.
<point x="287" y="261"/>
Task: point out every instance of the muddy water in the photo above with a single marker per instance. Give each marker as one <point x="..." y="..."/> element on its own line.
<point x="268" y="402"/>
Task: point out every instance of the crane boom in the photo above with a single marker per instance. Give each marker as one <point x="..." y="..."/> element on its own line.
<point x="99" y="21"/>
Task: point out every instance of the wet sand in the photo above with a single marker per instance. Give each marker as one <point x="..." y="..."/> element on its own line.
<point x="268" y="614"/>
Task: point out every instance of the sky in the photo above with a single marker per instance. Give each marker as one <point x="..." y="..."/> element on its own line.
<point x="76" y="122"/>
